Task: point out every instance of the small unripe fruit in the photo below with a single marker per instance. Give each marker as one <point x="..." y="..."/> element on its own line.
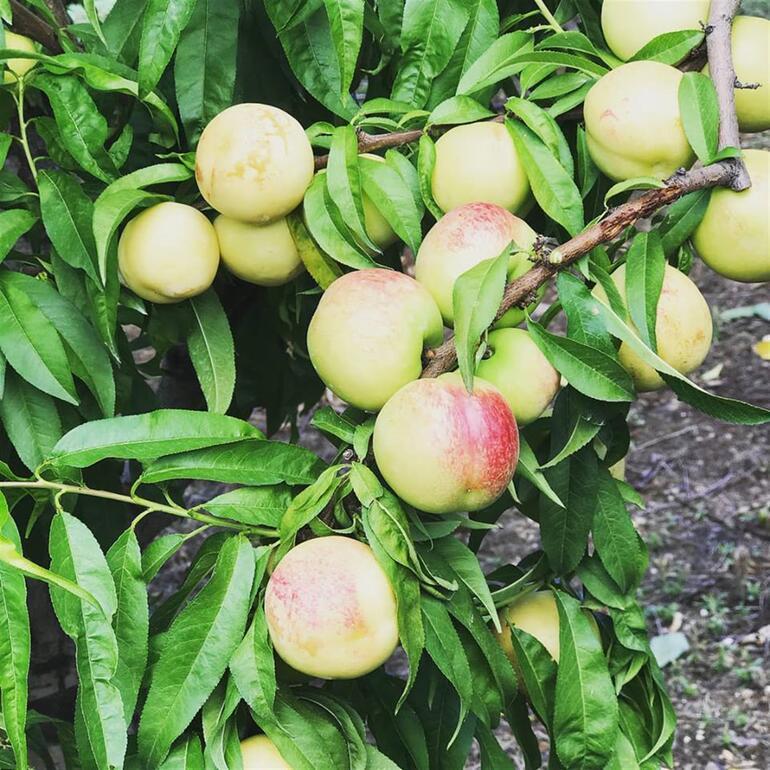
<point x="168" y="253"/>
<point x="633" y="124"/>
<point x="15" y="68"/>
<point x="519" y="370"/>
<point x="478" y="163"/>
<point x="618" y="470"/>
<point x="260" y="753"/>
<point x="751" y="59"/>
<point x="683" y="328"/>
<point x="733" y="238"/>
<point x="628" y="25"/>
<point x="368" y="333"/>
<point x="443" y="449"/>
<point x="254" y="163"/>
<point x="460" y="240"/>
<point x="330" y="609"/>
<point x="262" y="254"/>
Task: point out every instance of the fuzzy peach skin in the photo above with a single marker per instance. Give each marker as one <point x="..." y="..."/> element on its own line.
<point x="518" y="369"/>
<point x="628" y="25"/>
<point x="14" y="68"/>
<point x="367" y="335"/>
<point x="478" y="163"/>
<point x="330" y="609"/>
<point x="262" y="254"/>
<point x="168" y="253"/>
<point x="633" y="124"/>
<point x="683" y="328"/>
<point x="443" y="449"/>
<point x="460" y="240"/>
<point x="260" y="753"/>
<point x="254" y="163"/>
<point x="733" y="238"/>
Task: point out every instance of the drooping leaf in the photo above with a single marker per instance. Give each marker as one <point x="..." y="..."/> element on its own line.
<point x="645" y="267"/>
<point x="13" y="224"/>
<point x="700" y="114"/>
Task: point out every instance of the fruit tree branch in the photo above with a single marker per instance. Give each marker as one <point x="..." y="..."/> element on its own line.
<point x="728" y="173"/>
<point x="30" y="24"/>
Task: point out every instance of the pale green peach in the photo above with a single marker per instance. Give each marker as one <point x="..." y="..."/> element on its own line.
<point x="254" y="163"/>
<point x="633" y="124"/>
<point x="751" y="59"/>
<point x="628" y="25"/>
<point x="262" y="254"/>
<point x="15" y="68"/>
<point x="168" y="253"/>
<point x="683" y="328"/>
<point x="260" y="753"/>
<point x="518" y="369"/>
<point x="460" y="240"/>
<point x="330" y="609"/>
<point x="443" y="449"/>
<point x="618" y="470"/>
<point x="478" y="163"/>
<point x="368" y="333"/>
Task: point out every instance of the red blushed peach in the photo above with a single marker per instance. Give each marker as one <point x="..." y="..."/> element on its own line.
<point x="330" y="609"/>
<point x="367" y="335"/>
<point x="460" y="240"/>
<point x="445" y="450"/>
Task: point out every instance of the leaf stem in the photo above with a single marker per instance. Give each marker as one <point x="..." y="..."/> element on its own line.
<point x="19" y="98"/>
<point x="548" y="16"/>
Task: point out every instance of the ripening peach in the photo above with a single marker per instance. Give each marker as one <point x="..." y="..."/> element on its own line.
<point x="368" y="333"/>
<point x="168" y="253"/>
<point x="254" y="163"/>
<point x="633" y="124"/>
<point x="464" y="237"/>
<point x="518" y="369"/>
<point x="628" y="25"/>
<point x="330" y="609"/>
<point x="751" y="59"/>
<point x="478" y="163"/>
<point x="443" y="449"/>
<point x="262" y="254"/>
<point x="683" y="328"/>
<point x="260" y="753"/>
<point x="15" y="68"/>
<point x="733" y="238"/>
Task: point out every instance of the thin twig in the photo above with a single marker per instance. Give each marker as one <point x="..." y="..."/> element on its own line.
<point x="59" y="12"/>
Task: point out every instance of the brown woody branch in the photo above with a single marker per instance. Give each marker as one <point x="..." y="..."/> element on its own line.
<point x="59" y="12"/>
<point x="25" y="22"/>
<point x="728" y="173"/>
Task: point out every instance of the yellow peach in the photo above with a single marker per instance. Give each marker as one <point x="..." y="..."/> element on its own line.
<point x="15" y="68"/>
<point x="260" y="753"/>
<point x="751" y="59"/>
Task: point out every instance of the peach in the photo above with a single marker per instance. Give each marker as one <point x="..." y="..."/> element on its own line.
<point x="367" y="335"/>
<point x="633" y="125"/>
<point x="254" y="163"/>
<point x="751" y="59"/>
<point x="683" y="328"/>
<point x="478" y="163"/>
<point x="443" y="449"/>
<point x="15" y="68"/>
<point x="628" y="25"/>
<point x="260" y="753"/>
<point x="520" y="372"/>
<point x="168" y="253"/>
<point x="460" y="240"/>
<point x="262" y="254"/>
<point x="330" y="609"/>
<point x="733" y="238"/>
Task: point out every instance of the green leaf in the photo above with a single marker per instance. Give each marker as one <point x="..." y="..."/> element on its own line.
<point x="546" y="128"/>
<point x="552" y="185"/>
<point x="426" y="160"/>
<point x="186" y="754"/>
<point x="162" y="27"/>
<point x="476" y="298"/>
<point x="13" y="224"/>
<point x="131" y="620"/>
<point x="585" y="721"/>
<point x="670" y="47"/>
<point x="205" y="64"/>
<point x="637" y="183"/>
<point x="253" y="462"/>
<point x="598" y="582"/>
<point x="31" y="344"/>
<point x="323" y="269"/>
<point x="256" y="506"/>
<point x="122" y="29"/>
<point x="700" y="114"/>
<point x="14" y="644"/>
<point x="492" y="755"/>
<point x="682" y="217"/>
<point x="456" y="110"/>
<point x="253" y="667"/>
<point x="210" y="344"/>
<point x="158" y="552"/>
<point x="484" y="71"/>
<point x="76" y="555"/>
<point x="196" y="651"/>
<point x="590" y="371"/>
<point x="528" y="468"/>
<point x="30" y="419"/>
<point x="538" y="672"/>
<point x="144" y="437"/>
<point x="583" y="325"/>
<point x="346" y="22"/>
<point x="645" y="267"/>
<point x="430" y="33"/>
<point x="93" y="16"/>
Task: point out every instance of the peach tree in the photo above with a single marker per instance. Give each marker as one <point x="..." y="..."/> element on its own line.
<point x="410" y="226"/>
